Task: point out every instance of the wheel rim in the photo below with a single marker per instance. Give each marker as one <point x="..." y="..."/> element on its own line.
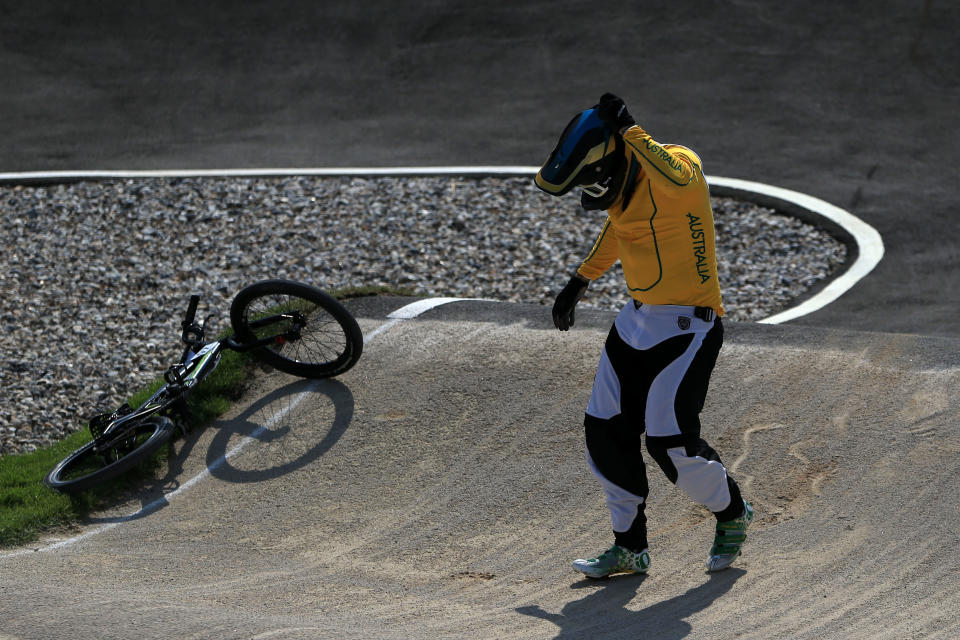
<point x="92" y="461"/>
<point x="319" y="339"/>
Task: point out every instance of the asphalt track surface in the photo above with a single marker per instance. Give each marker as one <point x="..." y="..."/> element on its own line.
<point x="439" y="488"/>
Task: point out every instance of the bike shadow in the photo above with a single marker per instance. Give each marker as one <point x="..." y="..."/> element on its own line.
<point x="264" y="421"/>
<point x="604" y="613"/>
<point x="276" y="412"/>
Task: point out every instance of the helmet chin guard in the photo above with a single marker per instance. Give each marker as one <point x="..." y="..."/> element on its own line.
<point x="588" y="155"/>
<point x="601" y="194"/>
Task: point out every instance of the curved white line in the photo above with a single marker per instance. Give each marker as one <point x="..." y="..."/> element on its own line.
<point x="420" y="307"/>
<point x="407" y="312"/>
<point x="869" y="242"/>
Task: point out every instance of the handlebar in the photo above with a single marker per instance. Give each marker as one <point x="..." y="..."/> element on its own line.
<point x="191" y="312"/>
<point x="192" y="334"/>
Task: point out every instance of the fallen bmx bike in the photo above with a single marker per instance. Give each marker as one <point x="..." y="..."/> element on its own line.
<point x="293" y="327"/>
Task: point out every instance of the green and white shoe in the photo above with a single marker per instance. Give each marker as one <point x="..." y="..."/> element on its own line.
<point x="616" y="559"/>
<point x="730" y="537"/>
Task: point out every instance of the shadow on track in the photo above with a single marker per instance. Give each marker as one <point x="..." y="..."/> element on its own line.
<point x="275" y="411"/>
<point x="267" y="420"/>
<point x="604" y="613"/>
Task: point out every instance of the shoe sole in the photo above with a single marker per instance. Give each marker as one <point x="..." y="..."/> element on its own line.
<point x="601" y="576"/>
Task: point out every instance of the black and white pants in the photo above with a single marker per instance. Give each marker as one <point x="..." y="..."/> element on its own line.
<point x="653" y="377"/>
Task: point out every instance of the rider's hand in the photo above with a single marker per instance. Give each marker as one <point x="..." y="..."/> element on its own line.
<point x="613" y="111"/>
<point x="567" y="300"/>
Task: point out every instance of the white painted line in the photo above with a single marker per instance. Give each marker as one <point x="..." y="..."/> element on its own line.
<point x="405" y="313"/>
<point x="384" y="327"/>
<point x="414" y="309"/>
<point x="186" y="486"/>
<point x="869" y="244"/>
<point x="28" y="176"/>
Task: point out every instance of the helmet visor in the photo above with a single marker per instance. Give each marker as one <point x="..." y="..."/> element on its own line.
<point x="579" y="155"/>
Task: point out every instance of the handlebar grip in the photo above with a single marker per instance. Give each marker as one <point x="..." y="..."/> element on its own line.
<point x="191" y="311"/>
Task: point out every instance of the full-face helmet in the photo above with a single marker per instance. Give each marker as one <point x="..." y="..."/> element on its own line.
<point x="588" y="155"/>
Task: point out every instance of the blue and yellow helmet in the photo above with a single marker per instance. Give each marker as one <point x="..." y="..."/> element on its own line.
<point x="588" y="155"/>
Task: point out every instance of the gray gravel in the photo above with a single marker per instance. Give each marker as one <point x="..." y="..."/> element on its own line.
<point x="96" y="275"/>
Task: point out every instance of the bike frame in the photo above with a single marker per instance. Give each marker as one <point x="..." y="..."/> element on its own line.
<point x="179" y="380"/>
<point x="192" y="369"/>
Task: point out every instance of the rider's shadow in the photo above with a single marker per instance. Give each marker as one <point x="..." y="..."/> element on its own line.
<point x="603" y="613"/>
<point x="274" y="413"/>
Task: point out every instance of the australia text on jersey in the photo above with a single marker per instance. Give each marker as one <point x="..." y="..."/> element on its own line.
<point x="699" y="247"/>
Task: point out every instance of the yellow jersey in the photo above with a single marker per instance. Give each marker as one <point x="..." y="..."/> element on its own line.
<point x="660" y="227"/>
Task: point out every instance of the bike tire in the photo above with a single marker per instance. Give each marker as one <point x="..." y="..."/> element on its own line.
<point x="86" y="468"/>
<point x="330" y="341"/>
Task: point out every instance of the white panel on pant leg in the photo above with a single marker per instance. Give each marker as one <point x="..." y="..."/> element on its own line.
<point x="705" y="481"/>
<point x="605" y="397"/>
<point x="621" y="503"/>
<point x="660" y="415"/>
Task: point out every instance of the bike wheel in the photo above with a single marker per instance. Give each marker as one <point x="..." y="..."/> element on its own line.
<point x="316" y="336"/>
<point x="85" y="467"/>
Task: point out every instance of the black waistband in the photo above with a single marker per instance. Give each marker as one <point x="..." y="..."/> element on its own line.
<point x="704" y="313"/>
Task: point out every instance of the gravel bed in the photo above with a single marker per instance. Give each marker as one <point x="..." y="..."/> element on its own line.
<point x="96" y="275"/>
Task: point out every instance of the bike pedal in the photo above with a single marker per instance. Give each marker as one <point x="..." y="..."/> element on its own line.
<point x="98" y="423"/>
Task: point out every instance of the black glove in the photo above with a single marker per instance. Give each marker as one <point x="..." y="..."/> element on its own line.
<point x="567" y="300"/>
<point x="613" y="111"/>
